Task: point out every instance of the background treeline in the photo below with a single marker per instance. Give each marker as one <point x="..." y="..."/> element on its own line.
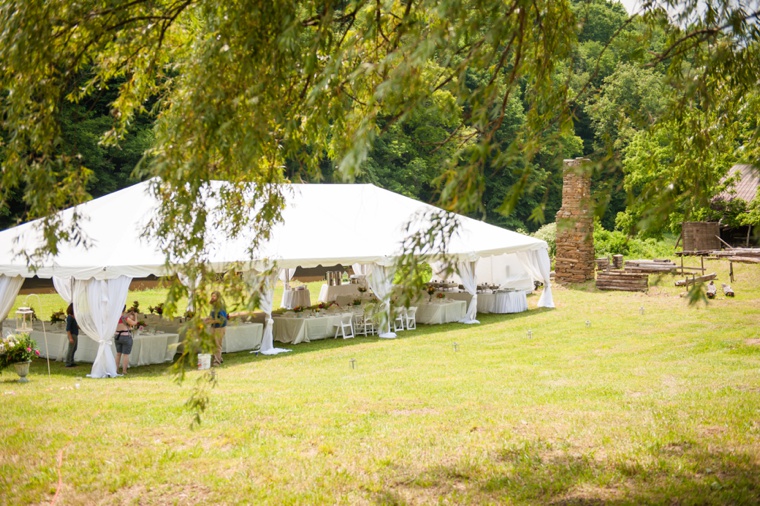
<point x="616" y="100"/>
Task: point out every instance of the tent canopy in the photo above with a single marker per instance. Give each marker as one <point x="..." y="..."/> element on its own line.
<point x="323" y="224"/>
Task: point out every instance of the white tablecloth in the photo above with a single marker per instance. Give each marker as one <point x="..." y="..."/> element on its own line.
<point x="457" y="296"/>
<point x="146" y="348"/>
<point x="502" y="302"/>
<point x="441" y="312"/>
<point x="295" y="330"/>
<point x="293" y="298"/>
<point x="245" y="336"/>
<point x="329" y="293"/>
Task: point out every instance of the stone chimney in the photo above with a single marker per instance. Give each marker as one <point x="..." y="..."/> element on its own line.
<point x="574" y="262"/>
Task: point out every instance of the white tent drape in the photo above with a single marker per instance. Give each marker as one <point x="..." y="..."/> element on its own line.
<point x="538" y="264"/>
<point x="9" y="288"/>
<point x="98" y="305"/>
<point x="286" y="275"/>
<point x="191" y="284"/>
<point x="64" y="287"/>
<point x="266" y="303"/>
<point x="380" y="280"/>
<point x="361" y="269"/>
<point x="470" y="283"/>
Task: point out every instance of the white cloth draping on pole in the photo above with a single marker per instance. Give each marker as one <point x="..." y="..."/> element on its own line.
<point x="470" y="283"/>
<point x="361" y="269"/>
<point x="64" y="287"/>
<point x="266" y="286"/>
<point x="538" y="265"/>
<point x="381" y="282"/>
<point x="9" y="288"/>
<point x="191" y="284"/>
<point x="98" y="305"/>
<point x="286" y="275"/>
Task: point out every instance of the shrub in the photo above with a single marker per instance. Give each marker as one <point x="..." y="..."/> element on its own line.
<point x="548" y="233"/>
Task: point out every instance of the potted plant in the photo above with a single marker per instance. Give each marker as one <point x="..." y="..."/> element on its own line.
<point x="18" y="350"/>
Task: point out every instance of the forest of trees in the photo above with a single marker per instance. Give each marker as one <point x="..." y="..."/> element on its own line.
<point x="619" y="113"/>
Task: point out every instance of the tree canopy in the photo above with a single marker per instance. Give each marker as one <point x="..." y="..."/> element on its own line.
<point x="470" y="104"/>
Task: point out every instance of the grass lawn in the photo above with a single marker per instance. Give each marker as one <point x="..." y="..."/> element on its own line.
<point x="655" y="408"/>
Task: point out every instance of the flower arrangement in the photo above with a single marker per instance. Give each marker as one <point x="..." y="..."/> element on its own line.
<point x="322" y="305"/>
<point x="298" y="309"/>
<point x="357" y="302"/>
<point x="58" y="316"/>
<point x="362" y="289"/>
<point x="157" y="309"/>
<point x="17" y="348"/>
<point x="440" y="295"/>
<point x="135" y="308"/>
<point x="430" y="289"/>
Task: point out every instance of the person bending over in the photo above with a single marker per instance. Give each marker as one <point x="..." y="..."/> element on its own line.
<point x="123" y="339"/>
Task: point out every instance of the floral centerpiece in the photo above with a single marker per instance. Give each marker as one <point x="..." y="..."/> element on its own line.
<point x="440" y="295"/>
<point x="357" y="302"/>
<point x="430" y="289"/>
<point x="58" y="316"/>
<point x="17" y="348"/>
<point x="298" y="309"/>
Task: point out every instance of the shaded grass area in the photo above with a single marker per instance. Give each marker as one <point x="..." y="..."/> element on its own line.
<point x="655" y="408"/>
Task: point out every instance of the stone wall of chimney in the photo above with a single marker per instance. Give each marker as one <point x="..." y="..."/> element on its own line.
<point x="574" y="262"/>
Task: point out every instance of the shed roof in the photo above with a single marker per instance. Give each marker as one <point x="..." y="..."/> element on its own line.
<point x="746" y="181"/>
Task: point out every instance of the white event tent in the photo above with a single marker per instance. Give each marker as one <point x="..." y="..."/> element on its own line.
<point x="323" y="224"/>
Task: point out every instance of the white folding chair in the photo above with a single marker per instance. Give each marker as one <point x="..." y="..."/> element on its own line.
<point x="399" y="314"/>
<point x="364" y="325"/>
<point x="411" y="318"/>
<point x="346" y="322"/>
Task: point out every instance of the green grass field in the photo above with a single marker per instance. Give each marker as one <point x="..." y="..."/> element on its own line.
<point x="655" y="408"/>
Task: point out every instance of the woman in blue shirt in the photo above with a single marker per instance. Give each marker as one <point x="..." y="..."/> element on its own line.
<point x="218" y="320"/>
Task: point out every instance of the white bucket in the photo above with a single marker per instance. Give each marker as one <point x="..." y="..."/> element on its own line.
<point x="204" y="361"/>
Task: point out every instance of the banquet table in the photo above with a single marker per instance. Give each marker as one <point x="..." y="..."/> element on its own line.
<point x="328" y="293"/>
<point x="294" y="329"/>
<point x="294" y="298"/>
<point x="502" y="302"/>
<point x="147" y="347"/>
<point x="456" y="296"/>
<point x="243" y="336"/>
<point x="437" y="312"/>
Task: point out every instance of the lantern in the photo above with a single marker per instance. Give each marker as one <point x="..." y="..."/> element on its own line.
<point x="24" y="317"/>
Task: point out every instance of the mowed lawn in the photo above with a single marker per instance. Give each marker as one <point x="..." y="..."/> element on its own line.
<point x="659" y="405"/>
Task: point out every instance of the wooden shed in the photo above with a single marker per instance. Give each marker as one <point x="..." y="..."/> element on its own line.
<point x="700" y="236"/>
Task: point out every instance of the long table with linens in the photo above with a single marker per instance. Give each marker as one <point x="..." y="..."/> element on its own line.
<point x="295" y="329"/>
<point x="441" y="311"/>
<point x="242" y="337"/>
<point x="328" y="293"/>
<point x="502" y="302"/>
<point x="147" y="347"/>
